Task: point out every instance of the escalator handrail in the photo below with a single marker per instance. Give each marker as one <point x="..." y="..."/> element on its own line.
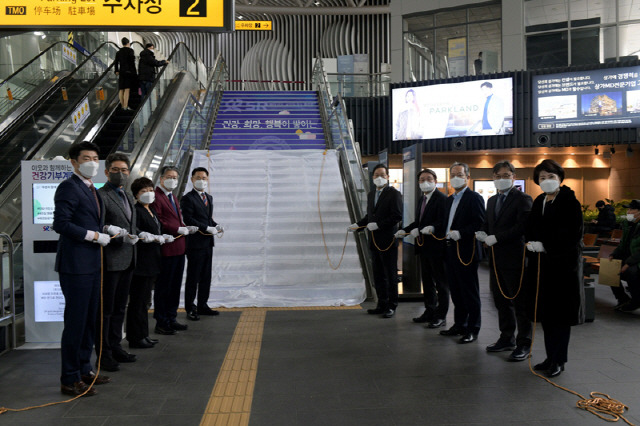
<point x="6" y="80"/>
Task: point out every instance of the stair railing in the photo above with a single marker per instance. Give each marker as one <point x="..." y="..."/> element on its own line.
<point x="7" y="316"/>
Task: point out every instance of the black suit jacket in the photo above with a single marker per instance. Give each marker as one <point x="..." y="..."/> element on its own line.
<point x="468" y="219"/>
<point x="508" y="227"/>
<point x="75" y="213"/>
<point x="195" y="213"/>
<point x="149" y="254"/>
<point x="433" y="215"/>
<point x="387" y="213"/>
<point x="118" y="255"/>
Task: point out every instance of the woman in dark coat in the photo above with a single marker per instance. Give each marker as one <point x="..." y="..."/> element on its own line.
<point x="125" y="69"/>
<point x="147" y="265"/>
<point x="554" y="232"/>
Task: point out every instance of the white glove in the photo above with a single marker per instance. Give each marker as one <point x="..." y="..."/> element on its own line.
<point x="415" y="232"/>
<point x="192" y="229"/>
<point x="115" y="231"/>
<point x="183" y="231"/>
<point x="146" y="237"/>
<point x="372" y="226"/>
<point x="353" y="227"/>
<point x="399" y="234"/>
<point x="454" y="235"/>
<point x="490" y="240"/>
<point x="103" y="239"/>
<point x="159" y="239"/>
<point x="131" y="239"/>
<point x="481" y="236"/>
<point x="212" y="230"/>
<point x="427" y="230"/>
<point x="535" y="246"/>
<point x="168" y="238"/>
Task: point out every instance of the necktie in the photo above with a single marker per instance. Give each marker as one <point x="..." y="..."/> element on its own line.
<point x="424" y="204"/>
<point x="377" y="196"/>
<point x="173" y="203"/>
<point x="125" y="202"/>
<point x="204" y="199"/>
<point x="499" y="203"/>
<point x="95" y="195"/>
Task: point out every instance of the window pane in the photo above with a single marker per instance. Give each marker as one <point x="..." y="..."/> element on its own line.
<point x="629" y="40"/>
<point x="485" y="37"/>
<point x="596" y="11"/>
<point x="444" y="66"/>
<point x="547" y="50"/>
<point x="452" y="17"/>
<point x="626" y="11"/>
<point x="585" y="46"/>
<point x="417" y="23"/>
<point x="485" y="13"/>
<point x="544" y="12"/>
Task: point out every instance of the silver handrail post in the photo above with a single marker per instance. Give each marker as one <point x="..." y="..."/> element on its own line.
<point x="10" y="318"/>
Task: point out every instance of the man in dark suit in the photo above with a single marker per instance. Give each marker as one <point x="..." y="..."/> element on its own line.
<point x="503" y="232"/>
<point x="78" y="218"/>
<point x="464" y="214"/>
<point x="119" y="261"/>
<point x="197" y="210"/>
<point x="166" y="296"/>
<point x="384" y="212"/>
<point x="429" y="220"/>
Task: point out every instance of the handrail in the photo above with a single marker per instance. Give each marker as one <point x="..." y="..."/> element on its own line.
<point x="11" y="318"/>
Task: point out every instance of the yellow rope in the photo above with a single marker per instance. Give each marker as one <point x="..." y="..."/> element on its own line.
<point x="524" y="256"/>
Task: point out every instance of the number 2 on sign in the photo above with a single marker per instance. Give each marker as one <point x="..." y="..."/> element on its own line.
<point x="190" y="10"/>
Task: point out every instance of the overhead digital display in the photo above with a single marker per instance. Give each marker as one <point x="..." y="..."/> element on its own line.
<point x="597" y="99"/>
<point x="470" y="108"/>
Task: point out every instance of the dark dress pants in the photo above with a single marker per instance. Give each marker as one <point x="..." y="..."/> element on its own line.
<point x="138" y="309"/>
<point x="81" y="297"/>
<point x="115" y="293"/>
<point x="632" y="277"/>
<point x="434" y="286"/>
<point x="166" y="296"/>
<point x="385" y="275"/>
<point x="512" y="313"/>
<point x="556" y="341"/>
<point x="464" y="288"/>
<point x="198" y="277"/>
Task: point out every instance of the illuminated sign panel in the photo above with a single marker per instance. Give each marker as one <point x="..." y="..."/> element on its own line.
<point x="254" y="25"/>
<point x="204" y="15"/>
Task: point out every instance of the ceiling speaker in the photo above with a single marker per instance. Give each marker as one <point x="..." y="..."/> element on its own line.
<point x="543" y="139"/>
<point x="459" y="144"/>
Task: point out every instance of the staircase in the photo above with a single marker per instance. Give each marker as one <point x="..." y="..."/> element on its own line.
<point x="268" y="120"/>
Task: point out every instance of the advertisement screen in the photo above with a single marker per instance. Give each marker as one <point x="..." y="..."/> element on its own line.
<point x="470" y="108"/>
<point x="597" y="99"/>
<point x="43" y="204"/>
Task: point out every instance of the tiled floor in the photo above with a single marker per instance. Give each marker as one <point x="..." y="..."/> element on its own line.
<point x="339" y="367"/>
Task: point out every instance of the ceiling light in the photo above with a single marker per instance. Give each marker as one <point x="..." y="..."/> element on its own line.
<point x="240" y="17"/>
<point x="38" y="33"/>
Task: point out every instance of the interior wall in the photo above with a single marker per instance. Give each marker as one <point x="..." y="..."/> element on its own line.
<point x="624" y="182"/>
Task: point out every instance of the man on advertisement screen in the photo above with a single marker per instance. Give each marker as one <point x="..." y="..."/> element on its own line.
<point x="492" y="121"/>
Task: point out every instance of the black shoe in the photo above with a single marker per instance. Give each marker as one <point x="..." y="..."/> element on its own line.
<point x="437" y="323"/>
<point x="152" y="341"/>
<point x="121" y="355"/>
<point x="167" y="331"/>
<point x="629" y="307"/>
<point x="193" y="315"/>
<point x="108" y="364"/>
<point x="519" y="354"/>
<point x="389" y="313"/>
<point x="468" y="338"/>
<point x="555" y="369"/>
<point x="207" y="311"/>
<point x="621" y="303"/>
<point x="177" y="326"/>
<point x="376" y="311"/>
<point x="500" y="346"/>
<point x="141" y="344"/>
<point x="425" y="317"/>
<point x="544" y="365"/>
<point x="453" y="331"/>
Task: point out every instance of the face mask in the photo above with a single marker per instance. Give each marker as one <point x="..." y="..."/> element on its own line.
<point x="118" y="179"/>
<point x="550" y="186"/>
<point x="631" y="217"/>
<point x="147" y="197"/>
<point x="427" y="186"/>
<point x="88" y="169"/>
<point x="171" y="184"/>
<point x="503" y="184"/>
<point x="458" y="182"/>
<point x="200" y="185"/>
<point x="380" y="182"/>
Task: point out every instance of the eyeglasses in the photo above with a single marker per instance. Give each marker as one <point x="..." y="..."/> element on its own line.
<point x="459" y="175"/>
<point x="505" y="176"/>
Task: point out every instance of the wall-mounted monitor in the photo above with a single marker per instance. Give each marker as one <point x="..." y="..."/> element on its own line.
<point x="449" y="110"/>
<point x="597" y="99"/>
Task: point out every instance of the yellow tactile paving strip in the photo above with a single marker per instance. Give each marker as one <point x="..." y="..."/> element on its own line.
<point x="230" y="401"/>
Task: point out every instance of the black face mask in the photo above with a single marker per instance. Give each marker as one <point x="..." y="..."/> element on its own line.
<point x="118" y="179"/>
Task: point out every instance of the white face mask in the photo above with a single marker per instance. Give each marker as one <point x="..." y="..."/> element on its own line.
<point x="147" y="197"/>
<point x="458" y="182"/>
<point x="88" y="169"/>
<point x="503" y="184"/>
<point x="171" y="184"/>
<point x="550" y="186"/>
<point x="427" y="186"/>
<point x="200" y="185"/>
<point x="380" y="182"/>
<point x="631" y="217"/>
